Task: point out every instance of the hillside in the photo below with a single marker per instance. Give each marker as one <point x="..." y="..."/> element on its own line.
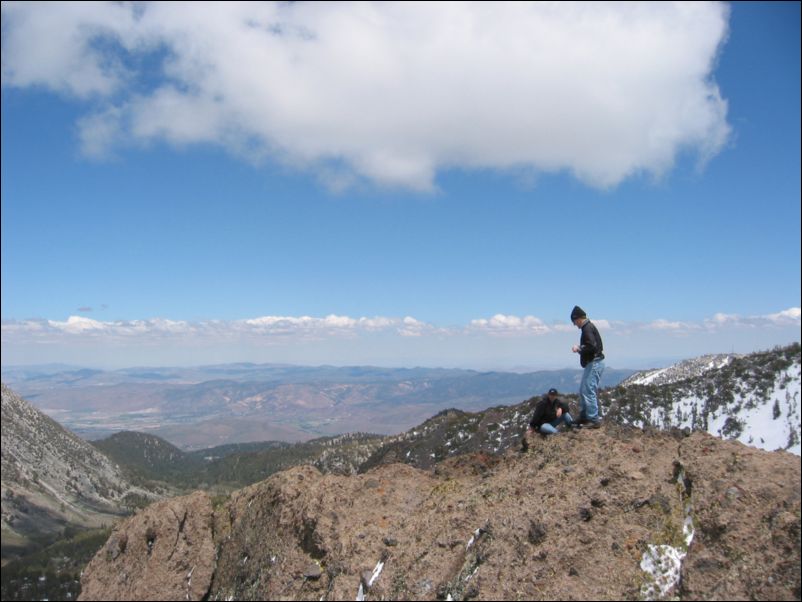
<point x="148" y="459"/>
<point x="454" y="432"/>
<point x="51" y="478"/>
<point x="753" y="398"/>
<point x="147" y="455"/>
<point x="588" y="515"/>
<point x="680" y="371"/>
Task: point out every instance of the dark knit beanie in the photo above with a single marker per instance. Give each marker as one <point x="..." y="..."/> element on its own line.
<point x="578" y="312"/>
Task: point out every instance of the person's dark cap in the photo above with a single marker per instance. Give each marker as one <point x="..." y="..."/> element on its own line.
<point x="553" y="392"/>
<point x="578" y="312"/>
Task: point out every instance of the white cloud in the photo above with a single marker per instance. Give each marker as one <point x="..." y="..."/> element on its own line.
<point x="328" y="324"/>
<point x="333" y="326"/>
<point x="504" y="325"/>
<point x="792" y="315"/>
<point x="78" y="325"/>
<point x="493" y="342"/>
<point x="50" y="44"/>
<point x="410" y="327"/>
<point x="662" y="324"/>
<point x="12" y="327"/>
<point x="388" y="92"/>
<point x="720" y="321"/>
<point x="295" y="326"/>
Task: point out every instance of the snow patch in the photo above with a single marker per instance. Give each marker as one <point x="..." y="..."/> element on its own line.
<point x="473" y="538"/>
<point x="360" y="595"/>
<point x="663" y="563"/>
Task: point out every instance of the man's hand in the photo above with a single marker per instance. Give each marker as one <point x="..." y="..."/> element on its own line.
<point x="559" y="412"/>
<point x="575" y="348"/>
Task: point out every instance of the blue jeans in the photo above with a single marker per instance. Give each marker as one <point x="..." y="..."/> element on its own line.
<point x="550" y="428"/>
<point x="588" y="401"/>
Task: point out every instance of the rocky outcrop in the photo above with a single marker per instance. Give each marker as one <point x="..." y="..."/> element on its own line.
<point x="746" y="512"/>
<point x="579" y="516"/>
<point x="164" y="553"/>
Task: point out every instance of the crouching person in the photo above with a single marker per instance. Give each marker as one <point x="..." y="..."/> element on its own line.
<point x="550" y="412"/>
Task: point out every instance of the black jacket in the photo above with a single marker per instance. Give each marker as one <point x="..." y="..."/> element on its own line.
<point x="546" y="411"/>
<point x="590" y="344"/>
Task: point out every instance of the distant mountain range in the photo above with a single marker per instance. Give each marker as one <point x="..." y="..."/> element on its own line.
<point x="763" y="390"/>
<point x="209" y="406"/>
<point x="52" y="479"/>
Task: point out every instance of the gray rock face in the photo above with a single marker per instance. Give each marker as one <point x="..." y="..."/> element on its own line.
<point x="51" y="477"/>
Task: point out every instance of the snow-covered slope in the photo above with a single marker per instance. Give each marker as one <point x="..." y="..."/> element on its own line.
<point x="754" y="398"/>
<point x="680" y="371"/>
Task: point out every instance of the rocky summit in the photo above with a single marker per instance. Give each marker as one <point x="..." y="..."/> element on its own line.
<point x="613" y="513"/>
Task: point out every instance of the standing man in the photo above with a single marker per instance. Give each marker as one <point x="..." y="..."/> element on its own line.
<point x="591" y="358"/>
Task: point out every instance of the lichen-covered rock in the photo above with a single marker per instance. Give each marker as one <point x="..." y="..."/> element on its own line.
<point x="746" y="512"/>
<point x="573" y="518"/>
<point x="165" y="552"/>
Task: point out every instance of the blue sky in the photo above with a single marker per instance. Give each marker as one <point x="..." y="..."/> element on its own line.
<point x="398" y="184"/>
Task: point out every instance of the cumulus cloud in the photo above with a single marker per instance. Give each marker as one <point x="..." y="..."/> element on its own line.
<point x="791" y="316"/>
<point x="78" y="325"/>
<point x="788" y="317"/>
<point x="307" y="325"/>
<point x="720" y="321"/>
<point x="388" y="92"/>
<point x="52" y="45"/>
<point x="410" y="327"/>
<point x="668" y="325"/>
<point x="489" y="342"/>
<point x="504" y="325"/>
<point x="507" y="325"/>
<point x="333" y="326"/>
<point x="264" y="327"/>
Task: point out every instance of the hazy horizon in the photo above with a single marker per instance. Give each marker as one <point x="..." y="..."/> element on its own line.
<point x="642" y="364"/>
